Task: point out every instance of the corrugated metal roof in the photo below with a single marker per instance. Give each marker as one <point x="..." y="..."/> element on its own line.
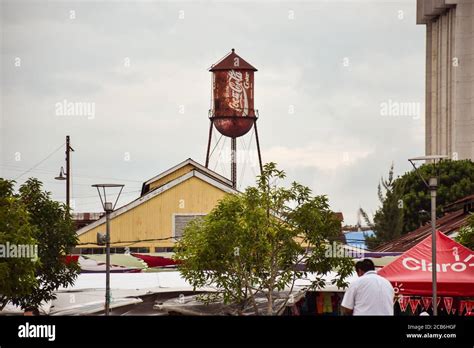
<point x="448" y="224"/>
<point x="464" y="201"/>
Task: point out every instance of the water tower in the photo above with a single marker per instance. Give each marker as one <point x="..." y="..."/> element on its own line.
<point x="232" y="110"/>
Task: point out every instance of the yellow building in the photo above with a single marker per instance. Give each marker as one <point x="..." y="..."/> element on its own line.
<point x="167" y="203"/>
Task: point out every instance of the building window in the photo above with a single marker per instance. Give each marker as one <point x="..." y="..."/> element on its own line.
<point x="140" y="250"/>
<point x="88" y="251"/>
<point x="181" y="220"/>
<point x="164" y="249"/>
<point x="115" y="250"/>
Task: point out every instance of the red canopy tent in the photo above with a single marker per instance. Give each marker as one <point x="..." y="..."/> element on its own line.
<point x="410" y="274"/>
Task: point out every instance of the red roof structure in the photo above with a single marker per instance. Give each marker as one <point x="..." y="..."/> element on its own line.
<point x="232" y="61"/>
<point x="410" y="274"/>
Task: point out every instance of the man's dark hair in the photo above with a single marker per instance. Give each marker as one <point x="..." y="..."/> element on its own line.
<point x="365" y="265"/>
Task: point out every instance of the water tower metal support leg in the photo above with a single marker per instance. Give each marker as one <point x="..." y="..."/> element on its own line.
<point x="234" y="162"/>
<point x="209" y="144"/>
<point x="258" y="147"/>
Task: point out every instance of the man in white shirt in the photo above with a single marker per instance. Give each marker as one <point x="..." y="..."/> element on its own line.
<point x="370" y="294"/>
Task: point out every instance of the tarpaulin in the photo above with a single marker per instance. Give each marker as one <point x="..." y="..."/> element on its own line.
<point x="124" y="260"/>
<point x="410" y="274"/>
<point x="71" y="258"/>
<point x="156" y="261"/>
<point x="92" y="266"/>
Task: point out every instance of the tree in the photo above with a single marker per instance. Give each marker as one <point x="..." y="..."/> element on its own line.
<point x="407" y="198"/>
<point x="17" y="274"/>
<point x="55" y="235"/>
<point x="456" y="180"/>
<point x="466" y="234"/>
<point x="251" y="242"/>
<point x="388" y="219"/>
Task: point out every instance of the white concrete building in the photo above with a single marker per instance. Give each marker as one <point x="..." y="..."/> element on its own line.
<point x="449" y="76"/>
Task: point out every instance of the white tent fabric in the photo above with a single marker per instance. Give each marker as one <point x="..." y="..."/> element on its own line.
<point x="87" y="294"/>
<point x="170" y="281"/>
<point x="166" y="281"/>
<point x="328" y="278"/>
<point x="11" y="309"/>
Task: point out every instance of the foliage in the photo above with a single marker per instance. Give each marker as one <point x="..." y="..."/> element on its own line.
<point x="54" y="233"/>
<point x="466" y="234"/>
<point x="388" y="219"/>
<point x="408" y="198"/>
<point x="17" y="275"/>
<point x="251" y="242"/>
<point x="456" y="180"/>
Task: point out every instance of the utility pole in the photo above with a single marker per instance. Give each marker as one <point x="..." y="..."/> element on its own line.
<point x="68" y="171"/>
<point x="433" y="184"/>
<point x="66" y="175"/>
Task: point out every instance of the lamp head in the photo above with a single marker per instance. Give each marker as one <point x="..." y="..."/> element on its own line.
<point x="108" y="207"/>
<point x="61" y="175"/>
<point x="428" y="158"/>
<point x="114" y="190"/>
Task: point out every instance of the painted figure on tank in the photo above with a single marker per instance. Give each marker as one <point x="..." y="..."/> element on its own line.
<point x="233" y="112"/>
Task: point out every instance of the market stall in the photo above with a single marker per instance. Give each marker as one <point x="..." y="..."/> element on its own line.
<point x="411" y="277"/>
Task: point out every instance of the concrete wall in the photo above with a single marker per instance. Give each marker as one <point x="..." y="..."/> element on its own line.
<point x="449" y="76"/>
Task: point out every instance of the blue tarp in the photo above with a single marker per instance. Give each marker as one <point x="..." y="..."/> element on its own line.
<point x="357" y="239"/>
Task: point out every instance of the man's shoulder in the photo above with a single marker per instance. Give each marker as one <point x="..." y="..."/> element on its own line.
<point x="372" y="277"/>
<point x="386" y="281"/>
<point x="383" y="280"/>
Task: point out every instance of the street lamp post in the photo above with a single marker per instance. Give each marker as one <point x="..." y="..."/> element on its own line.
<point x="108" y="208"/>
<point x="65" y="175"/>
<point x="432" y="185"/>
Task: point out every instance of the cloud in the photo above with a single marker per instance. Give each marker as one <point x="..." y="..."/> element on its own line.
<point x="322" y="156"/>
<point x="319" y="119"/>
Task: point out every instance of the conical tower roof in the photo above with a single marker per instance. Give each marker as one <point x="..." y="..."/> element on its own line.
<point x="228" y="63"/>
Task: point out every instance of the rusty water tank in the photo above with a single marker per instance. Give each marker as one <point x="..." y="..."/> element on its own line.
<point x="233" y="112"/>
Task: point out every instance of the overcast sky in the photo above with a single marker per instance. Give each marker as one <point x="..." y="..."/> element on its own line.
<point x="326" y="73"/>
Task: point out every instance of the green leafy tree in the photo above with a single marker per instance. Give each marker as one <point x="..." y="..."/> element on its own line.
<point x="466" y="234"/>
<point x="456" y="180"/>
<point x="55" y="235"/>
<point x="17" y="274"/>
<point x="251" y="242"/>
<point x="388" y="219"/>
<point x="407" y="202"/>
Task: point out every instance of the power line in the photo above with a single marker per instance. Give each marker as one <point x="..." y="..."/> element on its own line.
<point x="107" y="178"/>
<point x="132" y="241"/>
<point x="20" y="169"/>
<point x="47" y="171"/>
<point x="37" y="164"/>
<point x="95" y="196"/>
